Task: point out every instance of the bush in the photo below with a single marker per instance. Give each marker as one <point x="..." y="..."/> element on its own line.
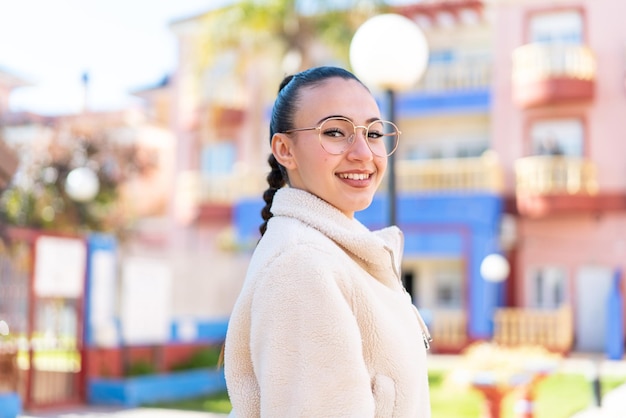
<point x="140" y="368"/>
<point x="201" y="359"/>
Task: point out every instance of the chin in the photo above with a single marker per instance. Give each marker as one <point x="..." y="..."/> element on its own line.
<point x="358" y="207"/>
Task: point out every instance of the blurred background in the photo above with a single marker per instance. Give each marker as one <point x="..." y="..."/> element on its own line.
<point x="133" y="147"/>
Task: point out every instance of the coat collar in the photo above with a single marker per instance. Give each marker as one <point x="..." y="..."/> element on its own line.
<point x="380" y="249"/>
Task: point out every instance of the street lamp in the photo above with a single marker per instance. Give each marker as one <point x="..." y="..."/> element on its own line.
<point x="495" y="268"/>
<point x="389" y="52"/>
<point x="82" y="184"/>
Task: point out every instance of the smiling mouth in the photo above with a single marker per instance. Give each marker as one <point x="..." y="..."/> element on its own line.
<point x="354" y="176"/>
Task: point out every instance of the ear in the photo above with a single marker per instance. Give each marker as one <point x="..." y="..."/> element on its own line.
<point x="282" y="149"/>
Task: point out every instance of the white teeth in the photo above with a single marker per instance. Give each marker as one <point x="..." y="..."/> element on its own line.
<point x="354" y="176"/>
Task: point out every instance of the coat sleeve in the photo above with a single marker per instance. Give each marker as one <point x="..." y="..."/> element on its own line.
<point x="306" y="345"/>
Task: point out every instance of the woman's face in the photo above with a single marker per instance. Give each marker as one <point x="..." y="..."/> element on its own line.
<point x="347" y="181"/>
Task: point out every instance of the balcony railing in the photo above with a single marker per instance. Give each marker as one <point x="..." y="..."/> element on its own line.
<point x="553" y="329"/>
<point x="555" y="175"/>
<point x="197" y="188"/>
<point x="458" y="174"/>
<point x="449" y="329"/>
<point x="542" y="61"/>
<point x="459" y="75"/>
<point x="551" y="73"/>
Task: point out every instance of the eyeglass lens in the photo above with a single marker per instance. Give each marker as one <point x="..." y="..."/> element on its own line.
<point x="338" y="134"/>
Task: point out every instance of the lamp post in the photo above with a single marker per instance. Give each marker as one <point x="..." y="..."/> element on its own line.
<point x="389" y="52"/>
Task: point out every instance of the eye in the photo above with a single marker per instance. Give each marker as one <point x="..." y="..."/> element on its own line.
<point x="334" y="132"/>
<point x="336" y="129"/>
<point x="375" y="134"/>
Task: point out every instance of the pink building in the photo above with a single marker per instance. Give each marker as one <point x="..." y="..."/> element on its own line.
<point x="558" y="111"/>
<point x="540" y="86"/>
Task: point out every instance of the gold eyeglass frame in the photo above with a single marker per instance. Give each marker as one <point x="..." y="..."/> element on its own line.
<point x="350" y="140"/>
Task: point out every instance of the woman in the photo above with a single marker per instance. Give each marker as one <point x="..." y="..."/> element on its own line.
<point x="323" y="326"/>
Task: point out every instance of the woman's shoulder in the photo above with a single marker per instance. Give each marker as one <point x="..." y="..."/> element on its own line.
<point x="291" y="236"/>
<point x="290" y="249"/>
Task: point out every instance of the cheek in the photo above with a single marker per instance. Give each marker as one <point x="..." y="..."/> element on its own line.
<point x="322" y="160"/>
<point x="381" y="164"/>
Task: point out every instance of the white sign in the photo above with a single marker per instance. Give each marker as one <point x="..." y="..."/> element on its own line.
<point x="60" y="266"/>
<point x="146" y="301"/>
<point x="102" y="297"/>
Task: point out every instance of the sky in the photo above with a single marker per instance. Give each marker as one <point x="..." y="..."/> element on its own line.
<point x="124" y="45"/>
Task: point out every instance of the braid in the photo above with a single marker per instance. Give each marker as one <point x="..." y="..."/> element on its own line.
<point x="276" y="179"/>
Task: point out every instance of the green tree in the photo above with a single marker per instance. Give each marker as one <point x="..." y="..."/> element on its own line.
<point x="37" y="198"/>
<point x="290" y="26"/>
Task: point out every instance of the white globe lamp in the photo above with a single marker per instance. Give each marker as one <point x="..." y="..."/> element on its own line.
<point x="389" y="51"/>
<point x="495" y="268"/>
<point x="82" y="184"/>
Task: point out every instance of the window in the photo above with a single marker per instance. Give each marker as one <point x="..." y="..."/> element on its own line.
<point x="547" y="287"/>
<point x="564" y="26"/>
<point x="448" y="285"/>
<point x="435" y="284"/>
<point x="558" y="137"/>
<point x="217" y="158"/>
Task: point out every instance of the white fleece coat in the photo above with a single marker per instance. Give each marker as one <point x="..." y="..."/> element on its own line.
<point x="323" y="326"/>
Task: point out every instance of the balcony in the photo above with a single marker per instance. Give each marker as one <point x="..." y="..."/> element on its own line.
<point x="547" y="184"/>
<point x="212" y="196"/>
<point x="552" y="329"/>
<point x="460" y="86"/>
<point x="202" y="197"/>
<point x="481" y="174"/>
<point x="545" y="74"/>
<point x="449" y="331"/>
<point x="465" y="74"/>
<point x="468" y="174"/>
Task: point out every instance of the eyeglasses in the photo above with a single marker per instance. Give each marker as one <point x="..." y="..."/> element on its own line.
<point x="337" y="134"/>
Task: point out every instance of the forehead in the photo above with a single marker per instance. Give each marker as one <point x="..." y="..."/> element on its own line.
<point x="336" y="96"/>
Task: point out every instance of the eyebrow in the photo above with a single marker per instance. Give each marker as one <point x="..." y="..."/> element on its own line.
<point x="370" y="120"/>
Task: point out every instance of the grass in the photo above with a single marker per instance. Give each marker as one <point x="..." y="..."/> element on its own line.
<point x="217" y="402"/>
<point x="452" y="402"/>
<point x="558" y="396"/>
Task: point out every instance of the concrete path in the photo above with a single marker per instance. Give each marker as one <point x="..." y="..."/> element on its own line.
<point x="110" y="412"/>
<point x="613" y="406"/>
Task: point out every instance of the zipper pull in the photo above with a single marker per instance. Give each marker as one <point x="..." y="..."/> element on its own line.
<point x="425" y="334"/>
<point x="427" y="340"/>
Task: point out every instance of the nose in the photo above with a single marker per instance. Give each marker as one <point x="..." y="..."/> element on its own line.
<point x="360" y="149"/>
